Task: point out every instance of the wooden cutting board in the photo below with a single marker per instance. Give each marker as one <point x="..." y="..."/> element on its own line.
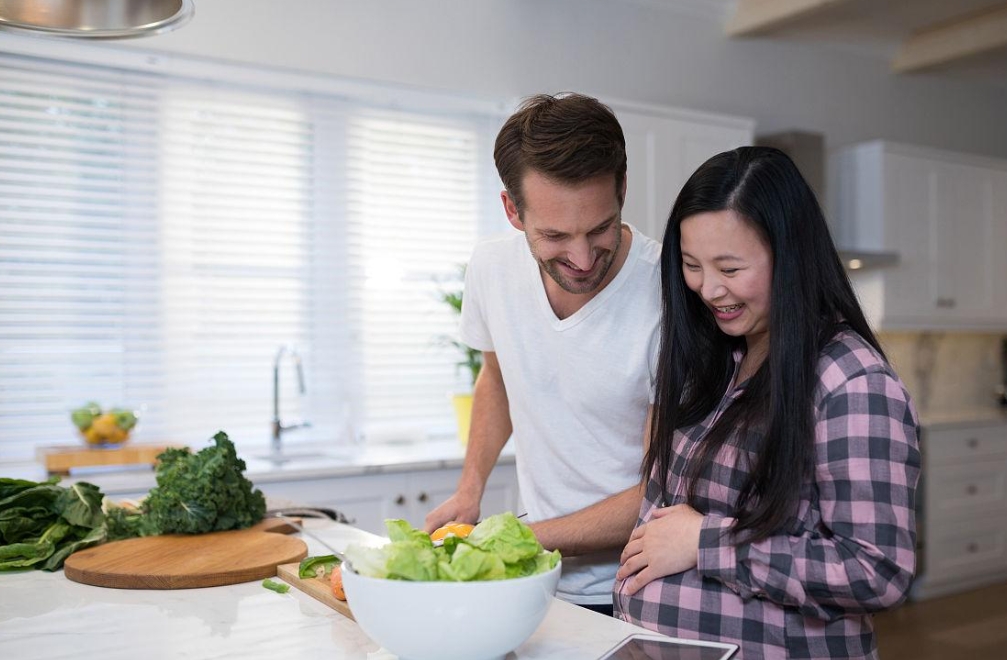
<point x="317" y="588"/>
<point x="185" y="561"/>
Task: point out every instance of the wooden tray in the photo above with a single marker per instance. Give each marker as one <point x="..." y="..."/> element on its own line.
<point x="185" y="561"/>
<point x="317" y="588"/>
<point x="60" y="460"/>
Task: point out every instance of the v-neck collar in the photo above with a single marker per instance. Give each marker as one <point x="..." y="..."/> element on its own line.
<point x="610" y="289"/>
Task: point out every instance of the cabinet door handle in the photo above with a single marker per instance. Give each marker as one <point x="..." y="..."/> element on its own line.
<point x="972" y="443"/>
<point x="972" y="548"/>
<point x="400" y="500"/>
<point x="946" y="303"/>
<point x="971" y="489"/>
<point x="422" y="497"/>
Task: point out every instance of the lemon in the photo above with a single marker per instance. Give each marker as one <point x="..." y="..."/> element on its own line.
<point x="91" y="436"/>
<point x="105" y="428"/>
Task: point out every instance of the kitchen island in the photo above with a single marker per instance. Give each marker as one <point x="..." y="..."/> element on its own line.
<point x="45" y="616"/>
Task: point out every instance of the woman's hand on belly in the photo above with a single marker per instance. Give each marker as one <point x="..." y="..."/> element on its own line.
<point x="665" y="545"/>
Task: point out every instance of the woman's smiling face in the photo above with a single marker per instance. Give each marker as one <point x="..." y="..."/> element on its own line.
<point x="728" y="264"/>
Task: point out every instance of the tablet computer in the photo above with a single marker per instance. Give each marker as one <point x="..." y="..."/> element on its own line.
<point x="658" y="647"/>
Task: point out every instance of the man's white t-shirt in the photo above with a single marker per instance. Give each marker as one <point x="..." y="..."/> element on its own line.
<point x="579" y="388"/>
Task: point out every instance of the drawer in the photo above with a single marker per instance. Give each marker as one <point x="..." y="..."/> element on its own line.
<point x="960" y="490"/>
<point x="964" y="444"/>
<point x="962" y="551"/>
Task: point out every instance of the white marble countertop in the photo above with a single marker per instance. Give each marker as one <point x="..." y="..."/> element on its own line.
<point x="45" y="616"/>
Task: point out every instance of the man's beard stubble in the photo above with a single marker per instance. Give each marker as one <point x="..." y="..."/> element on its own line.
<point x="606" y="258"/>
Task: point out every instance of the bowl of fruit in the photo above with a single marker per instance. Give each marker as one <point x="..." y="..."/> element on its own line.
<point x="102" y="428"/>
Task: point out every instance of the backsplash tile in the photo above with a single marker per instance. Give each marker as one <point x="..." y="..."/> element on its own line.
<point x="946" y="371"/>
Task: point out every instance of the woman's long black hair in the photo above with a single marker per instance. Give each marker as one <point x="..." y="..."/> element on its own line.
<point x="811" y="296"/>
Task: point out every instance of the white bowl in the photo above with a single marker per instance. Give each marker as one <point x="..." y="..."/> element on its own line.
<point x="450" y="620"/>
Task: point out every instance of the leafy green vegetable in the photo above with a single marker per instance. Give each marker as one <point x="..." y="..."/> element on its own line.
<point x="506" y="536"/>
<point x="71" y="545"/>
<point x="317" y="566"/>
<point x="42" y="523"/>
<point x="125" y="523"/>
<point x="498" y="548"/>
<point x="80" y="505"/>
<point x="202" y="492"/>
<point x="83" y="416"/>
<point x="278" y="587"/>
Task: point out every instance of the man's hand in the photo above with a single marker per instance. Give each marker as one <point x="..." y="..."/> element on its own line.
<point x="666" y="545"/>
<point x="457" y="508"/>
<point x="491" y="427"/>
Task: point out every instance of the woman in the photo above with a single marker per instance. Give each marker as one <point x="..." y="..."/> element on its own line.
<point x="784" y="453"/>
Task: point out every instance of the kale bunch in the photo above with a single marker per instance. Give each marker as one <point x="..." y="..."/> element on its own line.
<point x="196" y="493"/>
<point x="42" y="523"/>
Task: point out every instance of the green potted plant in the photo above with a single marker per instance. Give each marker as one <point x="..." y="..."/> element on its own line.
<point x="472" y="361"/>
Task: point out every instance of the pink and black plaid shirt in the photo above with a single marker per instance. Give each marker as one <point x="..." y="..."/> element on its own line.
<point x="850" y="551"/>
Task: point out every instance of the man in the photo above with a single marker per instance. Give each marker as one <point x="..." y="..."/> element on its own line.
<point x="567" y="317"/>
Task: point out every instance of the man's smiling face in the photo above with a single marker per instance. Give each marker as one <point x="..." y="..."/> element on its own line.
<point x="574" y="231"/>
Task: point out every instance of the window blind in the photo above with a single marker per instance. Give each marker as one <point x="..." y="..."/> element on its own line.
<point x="162" y="237"/>
<point x="413" y="209"/>
<point x="78" y="258"/>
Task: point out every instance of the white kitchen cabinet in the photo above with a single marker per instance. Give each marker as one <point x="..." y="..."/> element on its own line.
<point x="963" y="526"/>
<point x="945" y="215"/>
<point x="367" y="500"/>
<point x="664" y="146"/>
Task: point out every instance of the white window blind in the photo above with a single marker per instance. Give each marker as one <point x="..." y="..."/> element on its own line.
<point x="413" y="206"/>
<point x="161" y="238"/>
<point x="78" y="257"/>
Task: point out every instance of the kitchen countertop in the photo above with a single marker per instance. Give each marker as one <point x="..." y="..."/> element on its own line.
<point x="306" y="462"/>
<point x="45" y="616"/>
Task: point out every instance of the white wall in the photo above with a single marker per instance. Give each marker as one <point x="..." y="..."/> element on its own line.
<point x="618" y="49"/>
<point x="633" y="50"/>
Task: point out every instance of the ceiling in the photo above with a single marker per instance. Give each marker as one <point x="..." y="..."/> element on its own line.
<point x="958" y="38"/>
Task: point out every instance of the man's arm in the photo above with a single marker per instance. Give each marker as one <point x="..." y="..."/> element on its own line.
<point x="605" y="525"/>
<point x="490" y="429"/>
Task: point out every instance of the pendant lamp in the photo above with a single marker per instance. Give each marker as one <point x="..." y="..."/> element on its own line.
<point x="94" y="19"/>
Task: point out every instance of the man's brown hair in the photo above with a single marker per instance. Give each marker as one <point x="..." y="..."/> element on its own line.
<point x="568" y="138"/>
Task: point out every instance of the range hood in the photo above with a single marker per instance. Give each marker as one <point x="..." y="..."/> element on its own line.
<point x="865" y="259"/>
<point x="807" y="150"/>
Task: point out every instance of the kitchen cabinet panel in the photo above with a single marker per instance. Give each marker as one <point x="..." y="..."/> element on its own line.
<point x="963" y="520"/>
<point x="968" y="490"/>
<point x="964" y="552"/>
<point x="367" y="500"/>
<point x="945" y="214"/>
<point x="969" y="444"/>
<point x="963" y="256"/>
<point x="906" y="222"/>
<point x="664" y="146"/>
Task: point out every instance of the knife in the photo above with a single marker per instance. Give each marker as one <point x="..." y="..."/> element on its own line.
<point x="300" y="528"/>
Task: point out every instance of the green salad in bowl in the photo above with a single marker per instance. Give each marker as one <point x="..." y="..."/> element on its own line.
<point x="498" y="548"/>
<point x="486" y="593"/>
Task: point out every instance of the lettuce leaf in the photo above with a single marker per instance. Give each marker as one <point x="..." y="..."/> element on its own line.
<point x="498" y="548"/>
<point x="506" y="536"/>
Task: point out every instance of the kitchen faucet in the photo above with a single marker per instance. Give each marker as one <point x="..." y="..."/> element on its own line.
<point x="278" y="427"/>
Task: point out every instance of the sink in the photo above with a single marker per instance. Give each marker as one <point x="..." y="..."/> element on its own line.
<point x="305" y="455"/>
<point x="288" y="457"/>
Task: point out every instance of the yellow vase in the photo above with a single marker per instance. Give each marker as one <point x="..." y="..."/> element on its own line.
<point x="463" y="415"/>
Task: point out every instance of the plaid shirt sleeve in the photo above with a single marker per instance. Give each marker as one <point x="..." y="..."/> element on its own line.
<point x="859" y="557"/>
